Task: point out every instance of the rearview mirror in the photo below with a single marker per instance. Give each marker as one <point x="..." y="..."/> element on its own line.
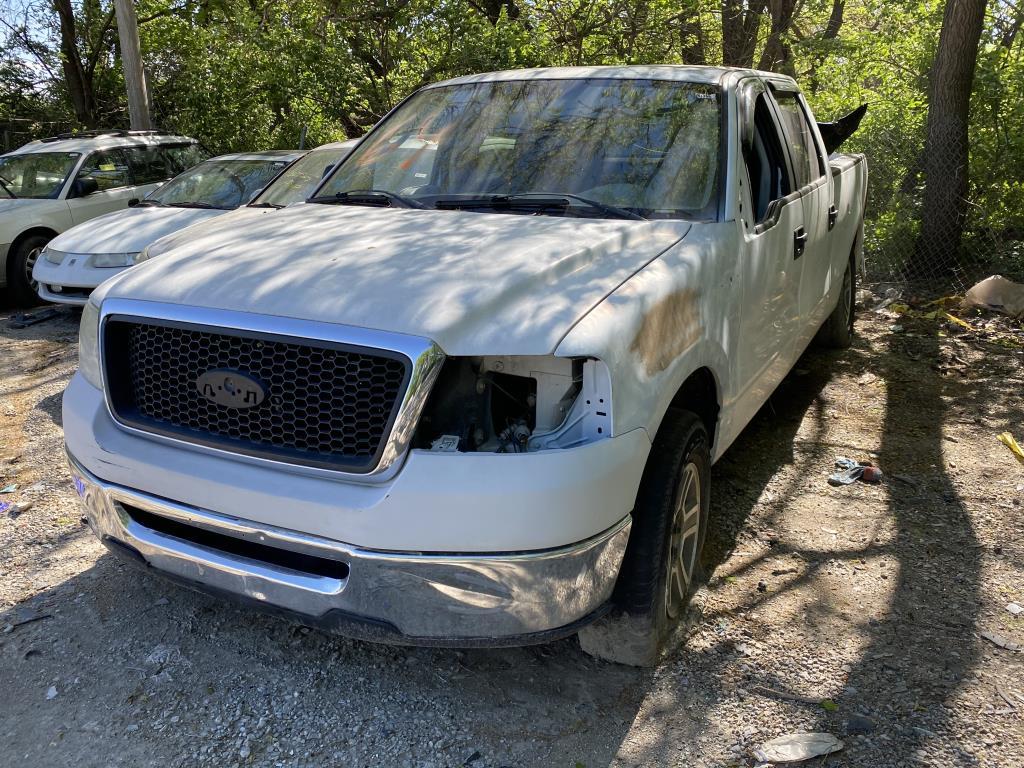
<point x="84" y="186"/>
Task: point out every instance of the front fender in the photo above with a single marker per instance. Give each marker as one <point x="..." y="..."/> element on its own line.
<point x="669" y="320"/>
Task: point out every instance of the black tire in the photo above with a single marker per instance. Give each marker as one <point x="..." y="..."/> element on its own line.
<point x="646" y="608"/>
<point x="837" y="330"/>
<point x="20" y="261"/>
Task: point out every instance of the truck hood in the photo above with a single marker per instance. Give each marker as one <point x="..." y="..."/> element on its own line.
<point x="209" y="225"/>
<point x="475" y="283"/>
<point x="130" y="230"/>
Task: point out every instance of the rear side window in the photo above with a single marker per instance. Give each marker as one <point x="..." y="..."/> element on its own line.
<point x="183" y="157"/>
<point x="807" y="163"/>
<point x="149" y="165"/>
<point x="108" y="167"/>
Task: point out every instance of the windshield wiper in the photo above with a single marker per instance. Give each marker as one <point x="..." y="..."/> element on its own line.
<point x="147" y="203"/>
<point x="194" y="204"/>
<point x="536" y="201"/>
<point x="376" y="197"/>
<point x="4" y="183"/>
<point x="264" y="205"/>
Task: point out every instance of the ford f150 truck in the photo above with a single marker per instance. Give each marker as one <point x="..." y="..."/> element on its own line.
<point x="471" y="391"/>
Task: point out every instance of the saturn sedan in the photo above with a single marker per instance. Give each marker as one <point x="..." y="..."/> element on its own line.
<point x="81" y="258"/>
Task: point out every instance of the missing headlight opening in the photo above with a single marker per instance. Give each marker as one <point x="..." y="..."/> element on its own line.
<point x="516" y="404"/>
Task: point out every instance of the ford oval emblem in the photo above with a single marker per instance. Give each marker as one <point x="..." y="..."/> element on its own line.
<point x="230" y="388"/>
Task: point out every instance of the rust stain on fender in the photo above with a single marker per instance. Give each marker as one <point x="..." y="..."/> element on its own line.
<point x="670" y="328"/>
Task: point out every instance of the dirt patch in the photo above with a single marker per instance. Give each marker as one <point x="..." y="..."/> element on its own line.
<point x="855" y="610"/>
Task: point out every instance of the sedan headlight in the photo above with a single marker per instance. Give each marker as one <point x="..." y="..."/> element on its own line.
<point x="52" y="256"/>
<point x="102" y="260"/>
<point x="89" y="345"/>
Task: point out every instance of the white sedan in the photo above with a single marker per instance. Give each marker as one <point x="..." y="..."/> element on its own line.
<point x="81" y="258"/>
<point x="291" y="187"/>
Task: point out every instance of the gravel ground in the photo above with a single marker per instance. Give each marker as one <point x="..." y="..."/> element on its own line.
<point x="857" y="611"/>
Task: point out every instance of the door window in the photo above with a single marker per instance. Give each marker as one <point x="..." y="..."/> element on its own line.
<point x="149" y="165"/>
<point x="108" y="167"/>
<point x="807" y="163"/>
<point x="184" y="156"/>
<point x="764" y="159"/>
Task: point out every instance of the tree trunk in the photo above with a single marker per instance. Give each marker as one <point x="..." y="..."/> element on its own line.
<point x="776" y="56"/>
<point x="946" y="149"/>
<point x="835" y="20"/>
<point x="691" y="40"/>
<point x="131" y="65"/>
<point x="78" y="85"/>
<point x="741" y="23"/>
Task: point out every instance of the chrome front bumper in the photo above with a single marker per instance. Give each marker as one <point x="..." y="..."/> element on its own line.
<point x="400" y="597"/>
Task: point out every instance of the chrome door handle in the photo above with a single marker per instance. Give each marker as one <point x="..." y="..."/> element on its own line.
<point x="799" y="242"/>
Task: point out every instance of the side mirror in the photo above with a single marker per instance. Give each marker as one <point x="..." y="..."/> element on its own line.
<point x="133" y="202"/>
<point x="327" y="170"/>
<point x="84" y="186"/>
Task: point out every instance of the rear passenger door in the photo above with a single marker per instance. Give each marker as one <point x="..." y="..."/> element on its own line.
<point x="813" y="184"/>
<point x="771" y="216"/>
<point x="108" y="168"/>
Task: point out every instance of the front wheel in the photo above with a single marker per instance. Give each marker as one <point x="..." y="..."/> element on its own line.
<point x="662" y="564"/>
<point x="20" y="262"/>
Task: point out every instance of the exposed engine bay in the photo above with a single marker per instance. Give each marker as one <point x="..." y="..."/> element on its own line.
<point x="516" y="404"/>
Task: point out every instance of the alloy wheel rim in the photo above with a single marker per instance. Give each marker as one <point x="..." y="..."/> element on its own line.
<point x="30" y="262"/>
<point x="682" y="554"/>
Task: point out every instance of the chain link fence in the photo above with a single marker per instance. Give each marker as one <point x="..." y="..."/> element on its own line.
<point x="990" y="244"/>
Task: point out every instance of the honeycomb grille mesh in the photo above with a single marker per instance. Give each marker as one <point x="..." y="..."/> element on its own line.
<point x="322" y="405"/>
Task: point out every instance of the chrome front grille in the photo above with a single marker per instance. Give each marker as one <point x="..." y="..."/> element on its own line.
<point x="305" y="401"/>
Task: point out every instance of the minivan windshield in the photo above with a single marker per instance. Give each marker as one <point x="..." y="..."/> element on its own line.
<point x="595" y="147"/>
<point x="217" y="183"/>
<point x="35" y="174"/>
<point x="298" y="182"/>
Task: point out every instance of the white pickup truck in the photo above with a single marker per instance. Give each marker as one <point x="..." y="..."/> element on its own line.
<point x="470" y="393"/>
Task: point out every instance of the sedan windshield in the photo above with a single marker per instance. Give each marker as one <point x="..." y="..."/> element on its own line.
<point x="35" y="174"/>
<point x="217" y="183"/>
<point x="299" y="181"/>
<point x="601" y="148"/>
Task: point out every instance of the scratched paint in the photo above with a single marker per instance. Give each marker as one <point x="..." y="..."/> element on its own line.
<point x="670" y="328"/>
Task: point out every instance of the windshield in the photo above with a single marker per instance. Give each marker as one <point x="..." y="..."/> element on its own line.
<point x="646" y="147"/>
<point x="216" y="183"/>
<point x="35" y="174"/>
<point x="302" y="177"/>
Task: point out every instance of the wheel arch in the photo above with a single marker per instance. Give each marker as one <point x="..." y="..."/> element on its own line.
<point x="48" y="232"/>
<point x="699" y="393"/>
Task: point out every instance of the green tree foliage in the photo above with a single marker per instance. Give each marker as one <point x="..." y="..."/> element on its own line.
<point x="245" y="74"/>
